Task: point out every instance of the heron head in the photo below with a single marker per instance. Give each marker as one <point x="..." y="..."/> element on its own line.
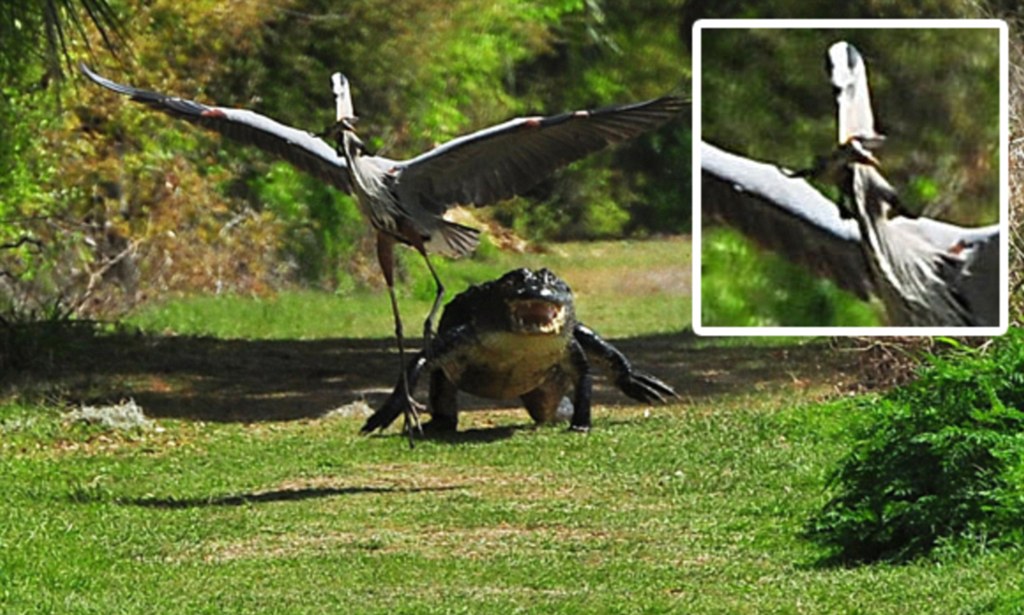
<point x="345" y="113"/>
<point x="849" y="78"/>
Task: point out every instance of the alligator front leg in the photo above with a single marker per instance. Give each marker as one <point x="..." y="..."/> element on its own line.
<point x="583" y="389"/>
<point x="444" y="406"/>
<point x="637" y="384"/>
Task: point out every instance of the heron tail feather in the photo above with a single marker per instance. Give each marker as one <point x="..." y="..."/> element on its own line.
<point x="454" y="240"/>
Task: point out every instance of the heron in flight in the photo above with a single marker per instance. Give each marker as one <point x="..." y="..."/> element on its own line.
<point x="925" y="272"/>
<point x="405" y="200"/>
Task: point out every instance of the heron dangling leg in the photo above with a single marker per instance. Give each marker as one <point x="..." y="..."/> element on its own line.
<point x="428" y="324"/>
<point x="386" y="259"/>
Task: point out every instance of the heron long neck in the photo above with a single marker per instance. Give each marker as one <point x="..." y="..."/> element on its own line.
<point x="352" y="146"/>
<point x="370" y="184"/>
<point x="870" y="212"/>
<point x="353" y="150"/>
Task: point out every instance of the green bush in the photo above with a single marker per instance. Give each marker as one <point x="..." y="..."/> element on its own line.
<point x="941" y="462"/>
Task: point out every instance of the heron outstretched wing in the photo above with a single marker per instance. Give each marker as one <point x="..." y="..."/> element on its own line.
<point x="978" y="281"/>
<point x="975" y="279"/>
<point x="788" y="216"/>
<point x="783" y="214"/>
<point x="302" y="149"/>
<point x="849" y="77"/>
<point x="505" y="160"/>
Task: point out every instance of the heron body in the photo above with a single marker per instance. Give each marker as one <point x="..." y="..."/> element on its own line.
<point x="405" y="201"/>
<point x="912" y="276"/>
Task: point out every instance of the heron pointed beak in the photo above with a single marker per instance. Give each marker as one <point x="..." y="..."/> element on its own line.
<point x="335" y="130"/>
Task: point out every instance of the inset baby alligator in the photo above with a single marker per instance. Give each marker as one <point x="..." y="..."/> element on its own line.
<point x="516" y="336"/>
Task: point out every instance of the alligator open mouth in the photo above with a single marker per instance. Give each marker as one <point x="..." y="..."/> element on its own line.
<point x="537" y="316"/>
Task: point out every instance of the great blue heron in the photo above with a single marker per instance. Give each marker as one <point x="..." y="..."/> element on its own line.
<point x="405" y="200"/>
<point x="925" y="272"/>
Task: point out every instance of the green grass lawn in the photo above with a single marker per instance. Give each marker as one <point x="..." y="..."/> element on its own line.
<point x="693" y="507"/>
<point x="687" y="508"/>
<point x="645" y="290"/>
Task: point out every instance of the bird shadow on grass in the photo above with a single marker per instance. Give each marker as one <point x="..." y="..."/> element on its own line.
<point x="476" y="435"/>
<point x="255" y="497"/>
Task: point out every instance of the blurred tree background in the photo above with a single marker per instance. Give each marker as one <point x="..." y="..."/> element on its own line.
<point x="104" y="204"/>
<point x="765" y="94"/>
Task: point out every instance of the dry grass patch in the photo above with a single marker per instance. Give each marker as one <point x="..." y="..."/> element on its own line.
<point x="428" y="543"/>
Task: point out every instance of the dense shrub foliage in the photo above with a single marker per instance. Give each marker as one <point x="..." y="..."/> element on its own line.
<point x="941" y="461"/>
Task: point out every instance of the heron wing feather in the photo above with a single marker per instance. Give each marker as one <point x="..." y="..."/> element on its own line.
<point x="507" y="159"/>
<point x="783" y="214"/>
<point x="305" y="151"/>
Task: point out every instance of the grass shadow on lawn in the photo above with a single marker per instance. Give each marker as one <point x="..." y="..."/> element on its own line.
<point x="235" y="380"/>
<point x="476" y="435"/>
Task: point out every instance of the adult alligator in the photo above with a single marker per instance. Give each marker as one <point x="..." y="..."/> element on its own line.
<point x="516" y="336"/>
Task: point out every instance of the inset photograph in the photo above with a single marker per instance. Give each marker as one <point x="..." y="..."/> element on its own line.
<point x="853" y="177"/>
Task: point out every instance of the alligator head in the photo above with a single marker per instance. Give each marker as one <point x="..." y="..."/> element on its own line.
<point x="523" y="302"/>
<point x="536" y="302"/>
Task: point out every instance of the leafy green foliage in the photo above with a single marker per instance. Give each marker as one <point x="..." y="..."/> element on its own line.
<point x="941" y="461"/>
<point x="319" y="223"/>
<point x="46" y="30"/>
<point x="743" y="286"/>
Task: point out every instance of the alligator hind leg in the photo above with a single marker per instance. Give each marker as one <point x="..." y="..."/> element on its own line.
<point x="444" y="408"/>
<point x="543" y="403"/>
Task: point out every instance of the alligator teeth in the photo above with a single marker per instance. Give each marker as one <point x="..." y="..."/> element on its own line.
<point x="538" y="316"/>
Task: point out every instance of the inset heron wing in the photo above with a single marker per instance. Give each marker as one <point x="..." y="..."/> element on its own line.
<point x="783" y="214"/>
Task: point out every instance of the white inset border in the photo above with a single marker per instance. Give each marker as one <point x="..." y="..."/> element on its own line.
<point x="838" y="24"/>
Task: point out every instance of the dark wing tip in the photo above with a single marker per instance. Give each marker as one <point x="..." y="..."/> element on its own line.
<point x="136" y="93"/>
<point x="668" y="105"/>
<point x="181" y="107"/>
<point x="378" y="421"/>
<point x="674" y="104"/>
<point x="107" y="83"/>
